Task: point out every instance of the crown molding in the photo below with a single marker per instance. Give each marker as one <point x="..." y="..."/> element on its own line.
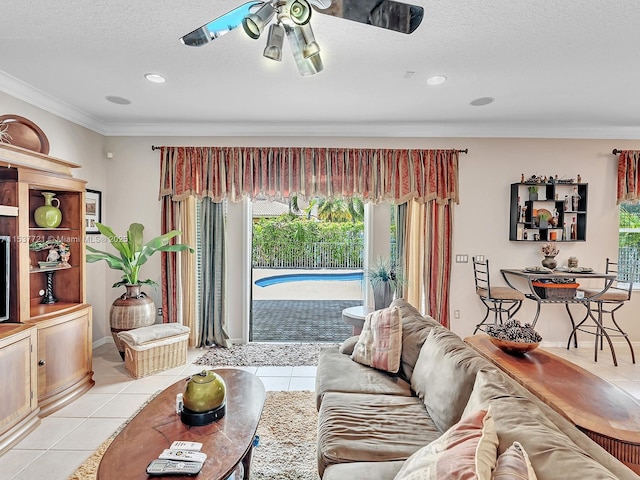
<point x="29" y="94"/>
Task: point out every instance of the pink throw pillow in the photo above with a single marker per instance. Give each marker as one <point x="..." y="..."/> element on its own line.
<point x="380" y="342"/>
<point x="467" y="451"/>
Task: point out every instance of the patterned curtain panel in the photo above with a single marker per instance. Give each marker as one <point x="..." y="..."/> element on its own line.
<point x="374" y="175"/>
<point x="427" y="258"/>
<point x="170" y="266"/>
<point x="628" y="173"/>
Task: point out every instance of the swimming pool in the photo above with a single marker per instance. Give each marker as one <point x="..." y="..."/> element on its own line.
<point x="303" y="277"/>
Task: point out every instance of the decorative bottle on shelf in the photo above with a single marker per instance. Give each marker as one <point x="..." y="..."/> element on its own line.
<point x="564" y="231"/>
<point x="574" y="230"/>
<point x="575" y="199"/>
<point x="48" y="215"/>
<point x="567" y="205"/>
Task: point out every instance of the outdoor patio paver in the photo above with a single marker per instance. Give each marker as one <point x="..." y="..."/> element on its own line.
<point x="300" y="320"/>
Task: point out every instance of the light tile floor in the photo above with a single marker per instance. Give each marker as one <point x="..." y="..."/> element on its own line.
<point x="66" y="438"/>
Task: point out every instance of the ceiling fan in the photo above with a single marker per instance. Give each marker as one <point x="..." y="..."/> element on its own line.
<point x="292" y="19"/>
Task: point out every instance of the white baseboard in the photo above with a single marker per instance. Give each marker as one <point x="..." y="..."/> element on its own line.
<point x="102" y="341"/>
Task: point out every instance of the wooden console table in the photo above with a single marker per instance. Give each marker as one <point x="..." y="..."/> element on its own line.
<point x="607" y="414"/>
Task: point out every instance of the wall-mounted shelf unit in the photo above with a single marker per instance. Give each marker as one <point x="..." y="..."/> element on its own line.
<point x="558" y="214"/>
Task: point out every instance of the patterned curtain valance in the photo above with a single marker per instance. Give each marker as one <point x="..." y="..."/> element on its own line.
<point x="628" y="173"/>
<point x="279" y="172"/>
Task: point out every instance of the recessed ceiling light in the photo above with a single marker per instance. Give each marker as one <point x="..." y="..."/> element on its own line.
<point x="118" y="100"/>
<point x="479" y="102"/>
<point x="155" y="77"/>
<point x="436" y="80"/>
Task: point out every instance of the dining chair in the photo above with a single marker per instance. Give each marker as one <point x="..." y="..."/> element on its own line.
<point x="609" y="302"/>
<point x="499" y="300"/>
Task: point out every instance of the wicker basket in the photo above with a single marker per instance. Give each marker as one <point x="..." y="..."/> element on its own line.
<point x="556" y="291"/>
<point x="155" y="356"/>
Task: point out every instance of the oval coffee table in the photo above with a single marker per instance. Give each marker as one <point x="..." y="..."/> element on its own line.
<point x="228" y="442"/>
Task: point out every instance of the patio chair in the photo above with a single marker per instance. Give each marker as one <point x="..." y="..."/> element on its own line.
<point x="609" y="302"/>
<point x="499" y="300"/>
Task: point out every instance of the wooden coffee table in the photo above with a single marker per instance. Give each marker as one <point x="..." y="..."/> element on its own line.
<point x="228" y="442"/>
<point x="607" y="414"/>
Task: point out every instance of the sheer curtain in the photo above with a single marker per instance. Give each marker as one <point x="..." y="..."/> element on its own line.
<point x="426" y="177"/>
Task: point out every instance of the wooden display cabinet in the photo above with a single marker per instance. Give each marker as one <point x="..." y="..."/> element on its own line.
<point x="19" y="406"/>
<point x="62" y="331"/>
<point x="568" y="222"/>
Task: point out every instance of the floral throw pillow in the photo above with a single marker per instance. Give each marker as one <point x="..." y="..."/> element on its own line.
<point x="468" y="450"/>
<point x="380" y="342"/>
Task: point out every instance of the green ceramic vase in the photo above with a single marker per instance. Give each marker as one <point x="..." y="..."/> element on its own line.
<point x="205" y="391"/>
<point x="48" y="215"/>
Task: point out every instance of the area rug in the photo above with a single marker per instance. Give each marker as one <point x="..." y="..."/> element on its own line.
<point x="263" y="354"/>
<point x="287" y="446"/>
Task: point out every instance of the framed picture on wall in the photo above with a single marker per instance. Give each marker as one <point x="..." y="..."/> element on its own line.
<point x="93" y="208"/>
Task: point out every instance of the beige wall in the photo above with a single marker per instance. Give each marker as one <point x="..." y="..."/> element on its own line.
<point x="130" y="186"/>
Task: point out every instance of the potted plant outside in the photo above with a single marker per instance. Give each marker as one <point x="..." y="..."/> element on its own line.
<point x="134" y="308"/>
<point x="386" y="279"/>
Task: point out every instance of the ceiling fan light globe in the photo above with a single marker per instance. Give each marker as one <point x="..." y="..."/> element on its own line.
<point x="299" y="11"/>
<point x="316" y="63"/>
<point x="251" y="28"/>
<point x="254" y="23"/>
<point x="306" y="66"/>
<point x="310" y="50"/>
<point x="275" y="41"/>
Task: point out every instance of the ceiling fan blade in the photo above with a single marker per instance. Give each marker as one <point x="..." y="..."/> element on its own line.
<point x="220" y="26"/>
<point x="389" y="14"/>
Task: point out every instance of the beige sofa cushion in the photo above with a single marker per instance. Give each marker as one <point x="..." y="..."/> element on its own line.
<point x="338" y="373"/>
<point x="466" y="451"/>
<point x="415" y="329"/>
<point x="552" y="454"/>
<point x="443" y="376"/>
<point x="356" y="427"/>
<point x="380" y="342"/>
<point x="362" y="471"/>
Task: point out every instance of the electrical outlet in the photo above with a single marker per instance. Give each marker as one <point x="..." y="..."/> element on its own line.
<point x="159" y="311"/>
<point x="456" y="314"/>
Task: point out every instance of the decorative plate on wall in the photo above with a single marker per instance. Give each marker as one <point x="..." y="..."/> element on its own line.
<point x="24" y="133"/>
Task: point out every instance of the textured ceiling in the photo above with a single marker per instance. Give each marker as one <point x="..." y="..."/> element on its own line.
<point x="557" y="68"/>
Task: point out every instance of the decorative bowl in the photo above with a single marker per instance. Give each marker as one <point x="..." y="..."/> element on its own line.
<point x="513" y="348"/>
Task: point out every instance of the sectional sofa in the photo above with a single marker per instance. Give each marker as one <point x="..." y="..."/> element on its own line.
<point x="371" y="421"/>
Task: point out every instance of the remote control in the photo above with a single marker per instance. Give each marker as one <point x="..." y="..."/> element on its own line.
<point x="183" y="455"/>
<point x="159" y="467"/>
<point x="183" y="445"/>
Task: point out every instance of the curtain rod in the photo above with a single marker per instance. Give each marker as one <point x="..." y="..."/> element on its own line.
<point x="465" y="151"/>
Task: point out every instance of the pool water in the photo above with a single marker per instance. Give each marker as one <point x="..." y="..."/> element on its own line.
<point x="302" y="277"/>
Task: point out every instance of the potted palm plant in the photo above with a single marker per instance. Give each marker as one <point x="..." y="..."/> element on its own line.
<point x="134" y="308"/>
<point x="386" y="279"/>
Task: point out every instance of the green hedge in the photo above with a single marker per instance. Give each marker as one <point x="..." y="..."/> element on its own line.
<point x="290" y="241"/>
